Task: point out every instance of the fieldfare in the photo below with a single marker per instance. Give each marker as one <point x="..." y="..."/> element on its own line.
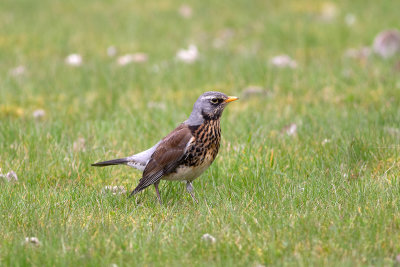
<point x="185" y="153"/>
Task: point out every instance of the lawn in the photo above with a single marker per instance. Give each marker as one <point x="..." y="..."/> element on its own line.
<point x="309" y="165"/>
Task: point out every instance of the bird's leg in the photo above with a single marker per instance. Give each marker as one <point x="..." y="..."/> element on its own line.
<point x="189" y="188"/>
<point x="158" y="192"/>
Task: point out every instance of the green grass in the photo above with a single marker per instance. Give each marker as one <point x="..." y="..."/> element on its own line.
<point x="269" y="198"/>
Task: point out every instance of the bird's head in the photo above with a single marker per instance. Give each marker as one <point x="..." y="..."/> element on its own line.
<point x="209" y="106"/>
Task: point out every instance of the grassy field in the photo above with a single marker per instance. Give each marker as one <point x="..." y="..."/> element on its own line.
<point x="329" y="194"/>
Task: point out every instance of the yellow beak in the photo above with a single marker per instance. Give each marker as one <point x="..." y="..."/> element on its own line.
<point x="231" y="98"/>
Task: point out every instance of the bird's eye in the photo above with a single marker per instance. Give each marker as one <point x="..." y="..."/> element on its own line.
<point x="214" y="100"/>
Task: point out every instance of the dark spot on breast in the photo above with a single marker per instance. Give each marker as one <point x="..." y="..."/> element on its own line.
<point x="207" y="140"/>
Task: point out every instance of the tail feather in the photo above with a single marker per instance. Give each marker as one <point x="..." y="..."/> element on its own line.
<point x="111" y="162"/>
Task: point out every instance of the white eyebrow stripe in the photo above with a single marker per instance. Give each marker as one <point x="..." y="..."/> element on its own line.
<point x="209" y="97"/>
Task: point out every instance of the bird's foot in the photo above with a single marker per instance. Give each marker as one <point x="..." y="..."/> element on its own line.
<point x="189" y="188"/>
<point x="158" y="192"/>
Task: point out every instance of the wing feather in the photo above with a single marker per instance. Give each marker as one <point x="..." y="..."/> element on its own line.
<point x="166" y="157"/>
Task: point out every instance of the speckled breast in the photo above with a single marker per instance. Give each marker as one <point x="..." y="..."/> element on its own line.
<point x="201" y="152"/>
<point x="206" y="142"/>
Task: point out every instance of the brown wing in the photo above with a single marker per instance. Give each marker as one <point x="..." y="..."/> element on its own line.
<point x="166" y="157"/>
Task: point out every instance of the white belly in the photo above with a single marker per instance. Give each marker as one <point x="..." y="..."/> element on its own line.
<point x="188" y="173"/>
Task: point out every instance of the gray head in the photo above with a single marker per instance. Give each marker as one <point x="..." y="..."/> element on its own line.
<point x="209" y="106"/>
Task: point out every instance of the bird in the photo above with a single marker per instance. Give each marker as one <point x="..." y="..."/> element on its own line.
<point x="186" y="152"/>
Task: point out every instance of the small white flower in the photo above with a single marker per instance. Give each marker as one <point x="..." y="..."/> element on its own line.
<point x="111" y="51"/>
<point x="39" y="113"/>
<point x="132" y="58"/>
<point x="79" y="145"/>
<point x="290" y="129"/>
<point x="74" y="60"/>
<point x="325" y="141"/>
<point x="350" y="19"/>
<point x="238" y="148"/>
<point x="140" y="57"/>
<point x="17" y="71"/>
<point x="387" y="43"/>
<point x="329" y="11"/>
<point x="115" y="190"/>
<point x="10" y="176"/>
<point x="283" y="61"/>
<point x="32" y="240"/>
<point x="185" y="11"/>
<point x="209" y="238"/>
<point x="189" y="55"/>
<point x="124" y="60"/>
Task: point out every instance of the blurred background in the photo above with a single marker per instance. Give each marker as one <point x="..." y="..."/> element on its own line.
<point x="94" y="57"/>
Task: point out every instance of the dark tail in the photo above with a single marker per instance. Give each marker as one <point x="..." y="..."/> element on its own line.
<point x="111" y="162"/>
